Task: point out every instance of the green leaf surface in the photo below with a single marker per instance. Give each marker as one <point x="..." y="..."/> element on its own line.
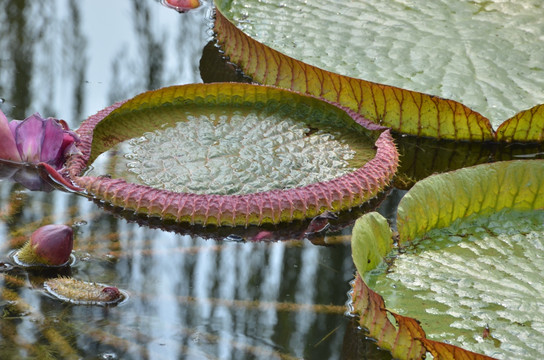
<point x="478" y="273"/>
<point x="235" y="146"/>
<point x="484" y="54"/>
<point x="402" y="110"/>
<point x="233" y="154"/>
<point x="437" y="201"/>
<point x="525" y="126"/>
<point x="370" y="242"/>
<point x="225" y="151"/>
<point x="469" y="265"/>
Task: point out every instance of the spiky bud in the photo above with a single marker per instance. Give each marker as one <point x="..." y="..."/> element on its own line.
<point x="48" y="245"/>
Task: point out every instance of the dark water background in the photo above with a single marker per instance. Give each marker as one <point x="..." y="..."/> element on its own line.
<point x="192" y="294"/>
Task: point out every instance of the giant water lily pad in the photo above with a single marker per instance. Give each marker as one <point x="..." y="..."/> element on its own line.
<point x="232" y="154"/>
<point x="485" y="55"/>
<point x="468" y="267"/>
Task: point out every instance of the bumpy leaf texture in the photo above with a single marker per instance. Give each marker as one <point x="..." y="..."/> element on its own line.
<point x="473" y="53"/>
<point x="491" y="191"/>
<point x="406" y="340"/>
<point x="480" y="280"/>
<point x="143" y="113"/>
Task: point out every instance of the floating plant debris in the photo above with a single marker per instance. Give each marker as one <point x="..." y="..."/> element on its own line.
<point x="84" y="293"/>
<point x="320" y="223"/>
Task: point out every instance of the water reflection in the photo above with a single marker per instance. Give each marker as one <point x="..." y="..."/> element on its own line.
<point x="69" y="59"/>
<point x="422" y="157"/>
<point x="190" y="296"/>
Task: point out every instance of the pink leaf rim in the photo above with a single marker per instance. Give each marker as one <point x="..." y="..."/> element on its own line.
<point x="270" y="207"/>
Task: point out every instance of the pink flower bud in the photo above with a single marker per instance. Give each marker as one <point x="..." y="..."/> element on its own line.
<point x="182" y="5"/>
<point x="49" y="245"/>
<point x="110" y="293"/>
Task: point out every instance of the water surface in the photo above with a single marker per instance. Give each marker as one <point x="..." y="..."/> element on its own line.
<point x="193" y="293"/>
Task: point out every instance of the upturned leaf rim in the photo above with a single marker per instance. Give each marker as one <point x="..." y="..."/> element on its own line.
<point x="258" y="208"/>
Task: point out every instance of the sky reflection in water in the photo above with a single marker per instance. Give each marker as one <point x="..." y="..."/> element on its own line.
<point x="69" y="59"/>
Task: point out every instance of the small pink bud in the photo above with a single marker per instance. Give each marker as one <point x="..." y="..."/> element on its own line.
<point x="110" y="293"/>
<point x="182" y="5"/>
<point x="49" y="245"/>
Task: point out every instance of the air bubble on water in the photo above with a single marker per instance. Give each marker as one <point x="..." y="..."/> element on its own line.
<point x="108" y="356"/>
<point x="234" y="238"/>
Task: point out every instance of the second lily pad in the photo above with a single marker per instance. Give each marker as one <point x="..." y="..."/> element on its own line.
<point x="468" y="265"/>
<point x="482" y="54"/>
<point x="233" y="154"/>
<point x="480" y="282"/>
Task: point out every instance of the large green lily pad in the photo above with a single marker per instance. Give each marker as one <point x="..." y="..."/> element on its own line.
<point x="232" y="154"/>
<point x="468" y="266"/>
<point x="476" y="53"/>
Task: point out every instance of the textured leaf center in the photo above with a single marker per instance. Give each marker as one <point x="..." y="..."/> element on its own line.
<point x="235" y="152"/>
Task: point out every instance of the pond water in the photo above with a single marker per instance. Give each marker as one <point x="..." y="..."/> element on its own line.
<point x="198" y="293"/>
<point x="192" y="293"/>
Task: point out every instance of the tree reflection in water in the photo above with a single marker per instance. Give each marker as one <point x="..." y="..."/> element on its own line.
<point x="190" y="296"/>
